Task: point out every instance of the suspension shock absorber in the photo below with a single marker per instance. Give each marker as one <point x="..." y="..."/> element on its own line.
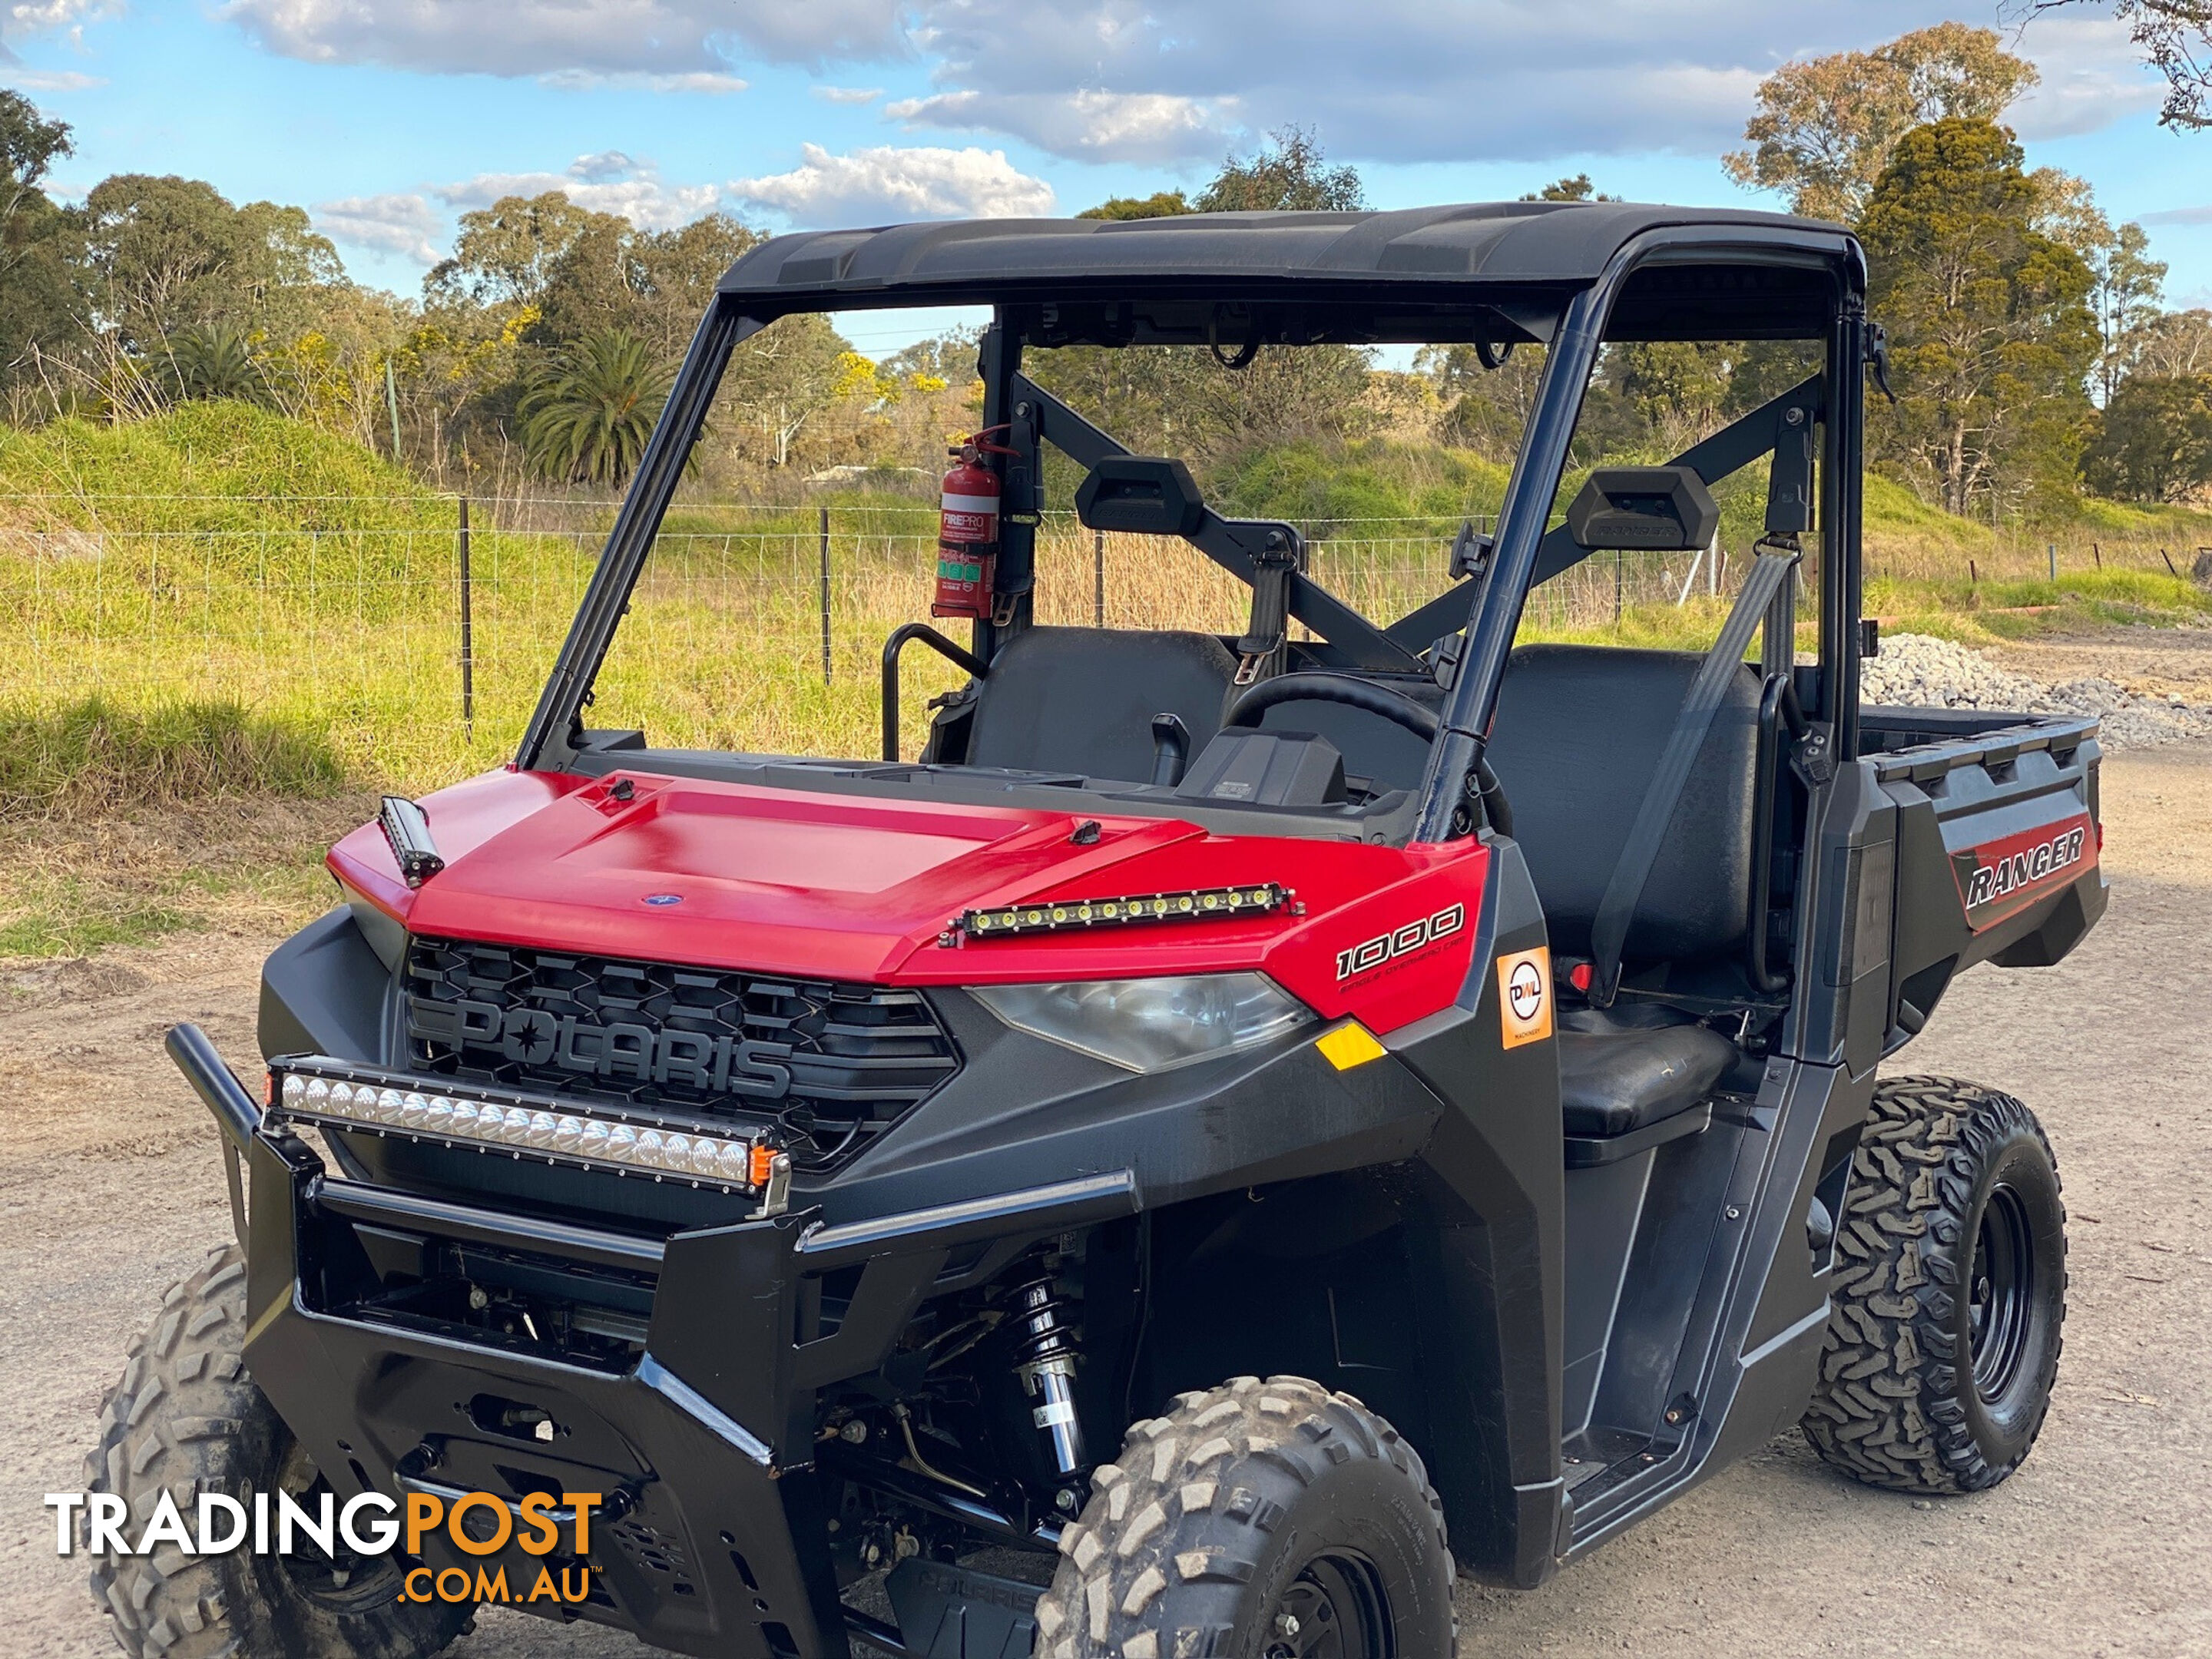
<point x="1044" y="1357"/>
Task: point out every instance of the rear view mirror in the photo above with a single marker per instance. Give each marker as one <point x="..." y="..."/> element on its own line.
<point x="1660" y="509"/>
<point x="1139" y="494"/>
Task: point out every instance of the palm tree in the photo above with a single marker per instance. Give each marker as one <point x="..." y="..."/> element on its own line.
<point x="587" y="417"/>
<point x="216" y="360"/>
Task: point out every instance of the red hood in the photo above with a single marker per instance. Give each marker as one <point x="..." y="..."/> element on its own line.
<point x="861" y="887"/>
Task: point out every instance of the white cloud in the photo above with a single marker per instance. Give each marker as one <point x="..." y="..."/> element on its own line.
<point x="546" y="37"/>
<point x="28" y="17"/>
<point x="711" y="83"/>
<point x="2187" y="216"/>
<point x="1123" y="126"/>
<point x="1395" y="81"/>
<point x="396" y="223"/>
<point x="2093" y="76"/>
<point x="1135" y="81"/>
<point x="884" y="184"/>
<point x="29" y="20"/>
<point x="55" y="80"/>
<point x="608" y="182"/>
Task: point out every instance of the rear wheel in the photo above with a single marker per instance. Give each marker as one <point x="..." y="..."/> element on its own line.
<point x="1944" y="1325"/>
<point x="1258" y="1520"/>
<point x="186" y="1418"/>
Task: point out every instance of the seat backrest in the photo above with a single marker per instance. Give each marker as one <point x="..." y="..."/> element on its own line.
<point x="1578" y="734"/>
<point x="1082" y="699"/>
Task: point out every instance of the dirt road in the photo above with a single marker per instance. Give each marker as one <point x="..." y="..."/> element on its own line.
<point x="110" y="1188"/>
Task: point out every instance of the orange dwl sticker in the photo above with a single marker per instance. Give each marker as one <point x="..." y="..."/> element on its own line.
<point x="1524" y="996"/>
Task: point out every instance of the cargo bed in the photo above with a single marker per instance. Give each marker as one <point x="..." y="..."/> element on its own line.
<point x="1998" y="844"/>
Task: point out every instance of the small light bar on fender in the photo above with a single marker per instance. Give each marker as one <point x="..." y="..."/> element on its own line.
<point x="550" y="1131"/>
<point x="1194" y="904"/>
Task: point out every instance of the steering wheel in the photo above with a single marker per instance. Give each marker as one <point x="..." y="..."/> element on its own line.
<point x="1309" y="686"/>
<point x="1395" y="706"/>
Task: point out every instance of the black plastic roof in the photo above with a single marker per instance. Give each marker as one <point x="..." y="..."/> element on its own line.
<point x="1504" y="243"/>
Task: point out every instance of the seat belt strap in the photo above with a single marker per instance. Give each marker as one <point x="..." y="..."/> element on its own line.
<point x="1273" y="567"/>
<point x="1624" y="890"/>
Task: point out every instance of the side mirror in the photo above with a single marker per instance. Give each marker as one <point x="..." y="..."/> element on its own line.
<point x="1142" y="495"/>
<point x="1665" y="509"/>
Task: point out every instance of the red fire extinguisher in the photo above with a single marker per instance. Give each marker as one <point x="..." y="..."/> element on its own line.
<point x="968" y="531"/>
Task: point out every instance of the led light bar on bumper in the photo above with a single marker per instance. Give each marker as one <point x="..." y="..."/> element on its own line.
<point x="500" y="1121"/>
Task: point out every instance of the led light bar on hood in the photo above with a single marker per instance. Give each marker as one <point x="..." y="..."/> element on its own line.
<point x="1196" y="904"/>
<point x="493" y="1121"/>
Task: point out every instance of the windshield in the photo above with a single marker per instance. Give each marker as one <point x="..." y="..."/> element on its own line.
<point x="1080" y="565"/>
<point x="806" y="528"/>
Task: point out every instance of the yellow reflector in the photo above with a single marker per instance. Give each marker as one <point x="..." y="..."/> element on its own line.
<point x="1349" y="1046"/>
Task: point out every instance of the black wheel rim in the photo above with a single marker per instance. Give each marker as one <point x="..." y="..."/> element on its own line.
<point x="344" y="1581"/>
<point x="2000" y="1293"/>
<point x="1334" y="1609"/>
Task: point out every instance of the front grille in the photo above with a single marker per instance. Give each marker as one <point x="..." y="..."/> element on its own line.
<point x="833" y="1064"/>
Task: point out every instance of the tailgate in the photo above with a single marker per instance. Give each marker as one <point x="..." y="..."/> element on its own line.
<point x="1998" y="842"/>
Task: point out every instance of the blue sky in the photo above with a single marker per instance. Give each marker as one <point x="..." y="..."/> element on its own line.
<point x="388" y="118"/>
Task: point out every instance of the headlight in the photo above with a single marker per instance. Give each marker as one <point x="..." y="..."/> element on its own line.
<point x="1150" y="1024"/>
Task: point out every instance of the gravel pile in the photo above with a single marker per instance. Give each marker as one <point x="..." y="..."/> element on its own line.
<point x="1914" y="670"/>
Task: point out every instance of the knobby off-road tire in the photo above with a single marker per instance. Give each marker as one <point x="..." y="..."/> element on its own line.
<point x="1255" y="1519"/>
<point x="1944" y="1325"/>
<point x="186" y="1418"/>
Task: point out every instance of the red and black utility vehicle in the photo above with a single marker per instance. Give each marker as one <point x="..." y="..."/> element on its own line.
<point x="1247" y="1125"/>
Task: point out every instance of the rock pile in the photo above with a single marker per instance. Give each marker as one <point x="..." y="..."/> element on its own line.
<point x="1915" y="670"/>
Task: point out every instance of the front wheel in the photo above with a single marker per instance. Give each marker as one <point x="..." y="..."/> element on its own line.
<point x="1258" y="1520"/>
<point x="187" y="1419"/>
<point x="1943" y="1328"/>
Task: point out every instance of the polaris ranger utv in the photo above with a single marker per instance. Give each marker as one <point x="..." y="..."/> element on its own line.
<point x="1241" y="1128"/>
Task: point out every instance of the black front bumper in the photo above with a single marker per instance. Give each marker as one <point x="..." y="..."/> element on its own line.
<point x="713" y="1535"/>
<point x="704" y="1544"/>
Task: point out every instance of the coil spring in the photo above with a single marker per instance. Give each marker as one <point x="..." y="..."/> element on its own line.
<point x="1042" y="1330"/>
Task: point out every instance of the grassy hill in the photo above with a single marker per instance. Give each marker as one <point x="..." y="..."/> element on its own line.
<point x="225" y="558"/>
<point x="221" y="621"/>
<point x="201" y="466"/>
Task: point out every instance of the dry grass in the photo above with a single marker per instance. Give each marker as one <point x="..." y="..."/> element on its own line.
<point x="72" y="885"/>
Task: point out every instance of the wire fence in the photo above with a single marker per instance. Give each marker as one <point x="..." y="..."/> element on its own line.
<point x="415" y="633"/>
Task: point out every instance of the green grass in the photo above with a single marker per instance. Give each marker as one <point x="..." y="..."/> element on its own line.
<point x="204" y="466"/>
<point x="74" y="915"/>
<point x="224" y="606"/>
<point x="89" y="754"/>
<point x="224" y="599"/>
<point x="1329" y="491"/>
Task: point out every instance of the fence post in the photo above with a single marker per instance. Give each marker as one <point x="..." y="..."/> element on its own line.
<point x="468" y="635"/>
<point x="1618" y="579"/>
<point x="2051" y="548"/>
<point x="391" y="402"/>
<point x="1098" y="577"/>
<point x="2098" y="554"/>
<point x="825" y="596"/>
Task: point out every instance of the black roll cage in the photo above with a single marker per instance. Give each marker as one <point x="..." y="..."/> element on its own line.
<point x="1488" y="607"/>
